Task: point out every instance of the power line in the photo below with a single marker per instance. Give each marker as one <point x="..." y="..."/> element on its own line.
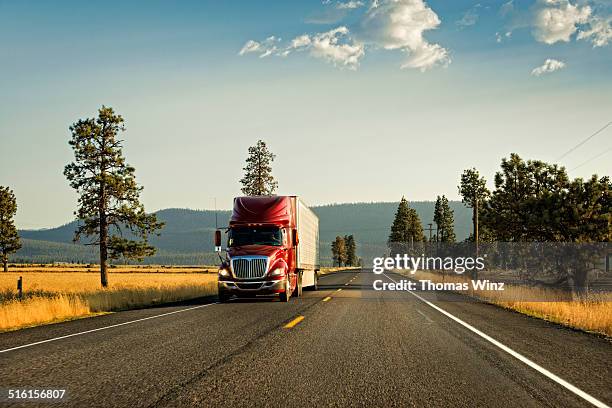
<point x="593" y="158"/>
<point x="584" y="141"/>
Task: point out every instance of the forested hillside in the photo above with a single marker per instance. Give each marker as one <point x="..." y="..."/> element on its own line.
<point x="187" y="236"/>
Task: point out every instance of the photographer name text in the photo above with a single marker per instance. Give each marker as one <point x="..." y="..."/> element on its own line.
<point x="424" y="284"/>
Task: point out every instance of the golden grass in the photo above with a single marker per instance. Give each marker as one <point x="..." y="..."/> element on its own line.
<point x="38" y="310"/>
<point x="53" y="296"/>
<point x="593" y="313"/>
<point x="80" y="282"/>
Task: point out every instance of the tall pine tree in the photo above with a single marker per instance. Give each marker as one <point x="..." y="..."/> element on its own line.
<point x="109" y="205"/>
<point x="351" y="250"/>
<point x="258" y="179"/>
<point x="474" y="193"/>
<point x="9" y="238"/>
<point x="339" y="251"/>
<point x="406" y="229"/>
<point x="444" y="219"/>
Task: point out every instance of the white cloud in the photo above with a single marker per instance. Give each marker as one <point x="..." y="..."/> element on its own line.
<point x="250" y="46"/>
<point x="264" y="48"/>
<point x="328" y="47"/>
<point x="387" y="24"/>
<point x="399" y="24"/>
<point x="349" y="5"/>
<point x="334" y="46"/>
<point x="600" y="32"/>
<point x="550" y="65"/>
<point x="427" y="56"/>
<point x="301" y="41"/>
<point x="557" y="20"/>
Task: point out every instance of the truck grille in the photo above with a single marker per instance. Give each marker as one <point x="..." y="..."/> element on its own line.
<point x="249" y="268"/>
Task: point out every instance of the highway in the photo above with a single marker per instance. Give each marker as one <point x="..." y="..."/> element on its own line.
<point x="344" y="345"/>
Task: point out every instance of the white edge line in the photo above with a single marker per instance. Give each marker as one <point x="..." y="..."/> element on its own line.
<point x="104" y="328"/>
<point x="514" y="354"/>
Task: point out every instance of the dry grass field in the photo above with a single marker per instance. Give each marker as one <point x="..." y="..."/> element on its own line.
<point x="594" y="313"/>
<point x="53" y="293"/>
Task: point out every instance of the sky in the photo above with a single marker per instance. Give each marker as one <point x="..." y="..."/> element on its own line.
<point x="361" y="101"/>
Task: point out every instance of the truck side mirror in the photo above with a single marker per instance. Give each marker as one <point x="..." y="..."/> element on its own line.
<point x="217" y="241"/>
<point x="296" y="239"/>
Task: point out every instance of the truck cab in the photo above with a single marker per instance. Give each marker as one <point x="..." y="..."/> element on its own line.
<point x="272" y="248"/>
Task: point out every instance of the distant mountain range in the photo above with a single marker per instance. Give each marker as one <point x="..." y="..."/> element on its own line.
<point x="187" y="237"/>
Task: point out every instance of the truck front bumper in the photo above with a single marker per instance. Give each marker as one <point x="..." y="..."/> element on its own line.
<point x="252" y="287"/>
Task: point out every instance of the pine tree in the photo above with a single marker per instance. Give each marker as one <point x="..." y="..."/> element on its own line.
<point x="109" y="198"/>
<point x="534" y="201"/>
<point x="9" y="238"/>
<point x="406" y="229"/>
<point x="334" y="251"/>
<point x="258" y="179"/>
<point x="444" y="219"/>
<point x="339" y="251"/>
<point x="474" y="192"/>
<point x="399" y="228"/>
<point x="415" y="227"/>
<point x="351" y="250"/>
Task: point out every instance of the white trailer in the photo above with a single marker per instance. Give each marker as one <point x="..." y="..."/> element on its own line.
<point x="307" y="224"/>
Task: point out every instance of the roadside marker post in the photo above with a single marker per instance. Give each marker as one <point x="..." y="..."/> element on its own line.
<point x="20" y="287"/>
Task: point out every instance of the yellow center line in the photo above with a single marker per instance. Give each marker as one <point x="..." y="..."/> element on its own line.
<point x="338" y="290"/>
<point x="327" y="299"/>
<point x="294" y="322"/>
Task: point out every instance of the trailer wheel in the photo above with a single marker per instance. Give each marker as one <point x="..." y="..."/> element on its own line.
<point x="298" y="287"/>
<point x="284" y="296"/>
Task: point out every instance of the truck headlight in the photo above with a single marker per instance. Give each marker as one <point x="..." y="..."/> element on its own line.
<point x="277" y="272"/>
<point x="224" y="272"/>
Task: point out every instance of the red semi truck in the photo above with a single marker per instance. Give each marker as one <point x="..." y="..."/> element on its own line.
<point x="272" y="248"/>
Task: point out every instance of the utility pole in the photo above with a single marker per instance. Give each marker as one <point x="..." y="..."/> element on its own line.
<point x="430" y="229"/>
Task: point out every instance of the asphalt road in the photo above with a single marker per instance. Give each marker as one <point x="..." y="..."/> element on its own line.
<point x="354" y="347"/>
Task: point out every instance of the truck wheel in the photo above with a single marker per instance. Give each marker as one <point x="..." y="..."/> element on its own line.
<point x="223" y="297"/>
<point x="284" y="296"/>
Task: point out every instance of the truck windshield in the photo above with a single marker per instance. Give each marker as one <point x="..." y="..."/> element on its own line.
<point x="255" y="236"/>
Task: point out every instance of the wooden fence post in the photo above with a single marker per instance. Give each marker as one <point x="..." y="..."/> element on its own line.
<point x="20" y="287"/>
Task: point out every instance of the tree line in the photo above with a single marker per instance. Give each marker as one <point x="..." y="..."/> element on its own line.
<point x="536" y="201"/>
<point x="407" y="233"/>
<point x="531" y="202"/>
